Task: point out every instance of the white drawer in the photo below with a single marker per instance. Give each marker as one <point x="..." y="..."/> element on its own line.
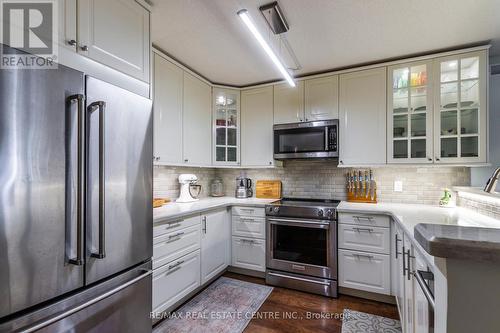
<point x="175" y="244"/>
<point x="365" y="219"/>
<point x="365" y="238"/>
<point x="175" y="280"/>
<point x="249" y="253"/>
<point x="365" y="271"/>
<point x="176" y="225"/>
<point x="249" y="226"/>
<point x="248" y="211"/>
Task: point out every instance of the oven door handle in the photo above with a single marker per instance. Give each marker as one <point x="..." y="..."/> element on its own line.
<point x="298" y="278"/>
<point x="299" y="223"/>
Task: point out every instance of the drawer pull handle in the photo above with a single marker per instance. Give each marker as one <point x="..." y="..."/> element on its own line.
<point x="242" y="219"/>
<point x="176" y="235"/>
<point x="247" y="209"/>
<point x="173" y="225"/>
<point x="369" y="218"/>
<point x="362" y="256"/>
<point x="251" y="241"/>
<point x="176" y="264"/>
<point x="363" y="229"/>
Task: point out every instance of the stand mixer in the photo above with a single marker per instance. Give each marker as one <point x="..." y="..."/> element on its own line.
<point x="188" y="182"/>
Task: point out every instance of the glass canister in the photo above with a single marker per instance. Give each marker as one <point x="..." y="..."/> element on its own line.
<point x="217" y="188"/>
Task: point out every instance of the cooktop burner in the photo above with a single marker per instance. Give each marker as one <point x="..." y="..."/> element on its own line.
<point x="323" y="209"/>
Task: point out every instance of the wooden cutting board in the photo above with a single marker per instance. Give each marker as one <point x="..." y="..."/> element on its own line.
<point x="268" y="189"/>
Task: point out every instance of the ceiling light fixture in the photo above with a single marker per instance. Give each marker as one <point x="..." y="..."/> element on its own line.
<point x="243" y="14"/>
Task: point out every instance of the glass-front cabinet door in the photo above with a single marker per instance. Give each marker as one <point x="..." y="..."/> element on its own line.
<point x="226" y="125"/>
<point x="460" y="104"/>
<point x="410" y="113"/>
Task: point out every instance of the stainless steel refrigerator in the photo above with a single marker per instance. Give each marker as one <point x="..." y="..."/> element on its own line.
<point x="75" y="204"/>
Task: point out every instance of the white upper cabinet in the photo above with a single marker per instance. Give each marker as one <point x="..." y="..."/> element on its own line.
<point x="167" y="106"/>
<point x="257" y="127"/>
<point x="460" y="104"/>
<point x="362" y="118"/>
<point x="115" y="33"/>
<point x="321" y="98"/>
<point x="67" y="23"/>
<point x="410" y="113"/>
<point x="288" y="103"/>
<point x="197" y="120"/>
<point x="226" y="126"/>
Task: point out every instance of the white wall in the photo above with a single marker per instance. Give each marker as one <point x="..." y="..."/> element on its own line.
<point x="479" y="176"/>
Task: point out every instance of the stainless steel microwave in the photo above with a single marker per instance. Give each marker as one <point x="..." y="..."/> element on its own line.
<point x="313" y="139"/>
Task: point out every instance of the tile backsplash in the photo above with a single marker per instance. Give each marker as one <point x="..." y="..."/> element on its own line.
<point x="322" y="179"/>
<point x="482" y="204"/>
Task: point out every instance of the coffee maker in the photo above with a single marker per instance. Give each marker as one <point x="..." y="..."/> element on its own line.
<point x="243" y="187"/>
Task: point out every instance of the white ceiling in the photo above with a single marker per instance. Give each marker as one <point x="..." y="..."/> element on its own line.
<point x="208" y="36"/>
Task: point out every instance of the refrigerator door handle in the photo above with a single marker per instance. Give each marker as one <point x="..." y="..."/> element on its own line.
<point x="82" y="306"/>
<point x="80" y="197"/>
<point x="101" y="249"/>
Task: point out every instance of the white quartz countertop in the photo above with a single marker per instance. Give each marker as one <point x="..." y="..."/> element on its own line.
<point x="451" y="233"/>
<point x="174" y="210"/>
<point x="409" y="215"/>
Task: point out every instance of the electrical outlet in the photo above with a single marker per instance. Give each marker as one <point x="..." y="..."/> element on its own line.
<point x="398" y="186"/>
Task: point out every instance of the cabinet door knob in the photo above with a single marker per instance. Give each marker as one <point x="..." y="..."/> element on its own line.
<point x="270" y="163"/>
<point x="429" y="159"/>
<point x="341" y="162"/>
<point x="437" y="159"/>
<point x="186" y="160"/>
<point x="84" y="48"/>
<point x="71" y="42"/>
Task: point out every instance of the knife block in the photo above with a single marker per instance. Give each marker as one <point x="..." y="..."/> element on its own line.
<point x="361" y="188"/>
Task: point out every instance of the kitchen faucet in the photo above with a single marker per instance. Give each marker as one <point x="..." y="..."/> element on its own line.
<point x="492" y="182"/>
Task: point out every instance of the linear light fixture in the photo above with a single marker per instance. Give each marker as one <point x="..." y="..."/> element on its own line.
<point x="243" y="14"/>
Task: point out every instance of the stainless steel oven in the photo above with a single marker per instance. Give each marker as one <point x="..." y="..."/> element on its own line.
<point x="302" y="248"/>
<point x="314" y="139"/>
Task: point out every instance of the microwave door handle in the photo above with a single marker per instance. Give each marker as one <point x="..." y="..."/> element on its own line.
<point x="326" y="138"/>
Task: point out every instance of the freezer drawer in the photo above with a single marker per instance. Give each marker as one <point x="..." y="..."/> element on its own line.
<point x="175" y="280"/>
<point x="121" y="304"/>
<point x="175" y="244"/>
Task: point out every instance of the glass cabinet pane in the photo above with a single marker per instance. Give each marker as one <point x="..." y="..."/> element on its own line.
<point x="419" y="99"/>
<point x="469" y="146"/>
<point x="232" y="117"/>
<point x="449" y="147"/>
<point x="449" y="71"/>
<point x="400" y="78"/>
<point x="400" y="129"/>
<point x="400" y="100"/>
<point x="220" y="117"/>
<point x="231" y="154"/>
<point x="418" y="124"/>
<point x="449" y="122"/>
<point x="469" y="121"/>
<point x="418" y="148"/>
<point x="469" y="93"/>
<point x="400" y="148"/>
<point x="418" y="75"/>
<point x="469" y="68"/>
<point x="231" y="136"/>
<point x="449" y="95"/>
<point x="220" y="137"/>
<point x="220" y="154"/>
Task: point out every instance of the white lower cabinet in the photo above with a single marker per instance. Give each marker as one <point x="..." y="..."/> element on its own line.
<point x="246" y="226"/>
<point x="369" y="239"/>
<point x="397" y="267"/>
<point x="408" y="325"/>
<point x="365" y="271"/>
<point x="249" y="253"/>
<point x="175" y="244"/>
<point x="421" y="305"/>
<point x="215" y="245"/>
<point x="173" y="281"/>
